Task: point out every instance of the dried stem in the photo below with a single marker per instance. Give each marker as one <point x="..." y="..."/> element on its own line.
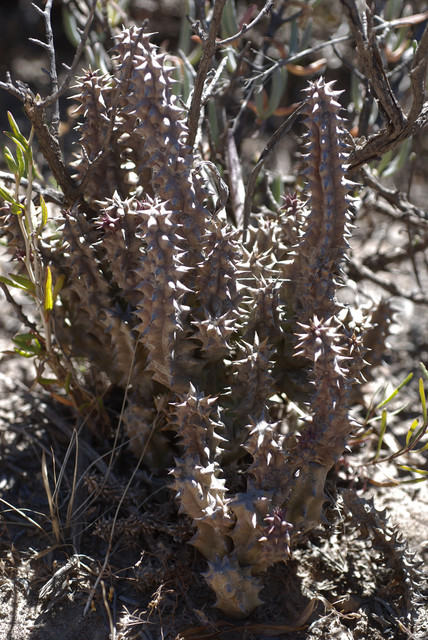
<point x="209" y="49"/>
<point x="49" y="46"/>
<point x="271" y="144"/>
<point x="246" y="27"/>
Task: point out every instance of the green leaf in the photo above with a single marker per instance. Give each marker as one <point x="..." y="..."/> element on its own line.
<point x="17" y="209"/>
<point x="48" y="291"/>
<point x="7" y="195"/>
<point x="44" y="212"/>
<point x="17" y="135"/>
<point x="424" y="370"/>
<point x="67" y="383"/>
<point x="22" y="161"/>
<point x="58" y="286"/>
<point x="399" y="160"/>
<point x="293" y="40"/>
<point x="48" y="381"/>
<point x="411" y="430"/>
<point x="27" y="345"/>
<point x="10" y="161"/>
<point x="422" y="449"/>
<point x="391" y="413"/>
<point x="422" y="472"/>
<point x="260" y="100"/>
<point x="23" y="283"/>
<point x="394" y="393"/>
<point x="423" y="401"/>
<point x="11" y="283"/>
<point x="7" y="282"/>
<point x="278" y="84"/>
<point x="229" y="24"/>
<point x="306" y="37"/>
<point x="383" y="163"/>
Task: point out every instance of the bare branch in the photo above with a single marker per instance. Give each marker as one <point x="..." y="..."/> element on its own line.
<point x="372" y="65"/>
<point x="272" y="142"/>
<point x="71" y="72"/>
<point x="383" y="141"/>
<point x="50" y="195"/>
<point x="49" y="46"/>
<point x="18" y="91"/>
<point x="358" y="271"/>
<point x="17" y="309"/>
<point x="209" y="49"/>
<point x="417" y="77"/>
<point x="246" y="27"/>
<point x="49" y="145"/>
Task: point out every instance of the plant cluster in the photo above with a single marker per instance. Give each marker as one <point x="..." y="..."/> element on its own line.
<point x="214" y="310"/>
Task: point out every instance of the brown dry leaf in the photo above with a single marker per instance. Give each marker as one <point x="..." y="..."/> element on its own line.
<point x="308" y="70"/>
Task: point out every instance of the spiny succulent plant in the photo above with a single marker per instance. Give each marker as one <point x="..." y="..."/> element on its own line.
<point x="166" y="299"/>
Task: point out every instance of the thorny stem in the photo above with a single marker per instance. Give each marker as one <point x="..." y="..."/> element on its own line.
<point x="109" y="131"/>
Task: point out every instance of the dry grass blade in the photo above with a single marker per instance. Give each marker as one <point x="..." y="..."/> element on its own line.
<point x="22" y="513"/>
<point x="53" y="506"/>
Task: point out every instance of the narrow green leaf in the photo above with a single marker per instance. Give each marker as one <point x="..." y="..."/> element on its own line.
<point x="278" y="84"/>
<point x="424" y="370"/>
<point x="67" y="383"/>
<point x="11" y="283"/>
<point x="422" y="472"/>
<point x="17" y="135"/>
<point x="10" y="161"/>
<point x="412" y="481"/>
<point x="7" y="282"/>
<point x="384" y="163"/>
<point x="423" y="400"/>
<point x="48" y="381"/>
<point x="260" y="100"/>
<point x="48" y="291"/>
<point x="400" y="159"/>
<point x="44" y="212"/>
<point x="391" y="413"/>
<point x="22" y="162"/>
<point x="27" y="345"/>
<point x="293" y="40"/>
<point x="381" y="433"/>
<point x="23" y="282"/>
<point x="58" y="286"/>
<point x="411" y="430"/>
<point x="7" y="195"/>
<point x="27" y="353"/>
<point x="229" y="24"/>
<point x="422" y="449"/>
<point x="306" y="37"/>
<point x="394" y="393"/>
<point x="17" y="209"/>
